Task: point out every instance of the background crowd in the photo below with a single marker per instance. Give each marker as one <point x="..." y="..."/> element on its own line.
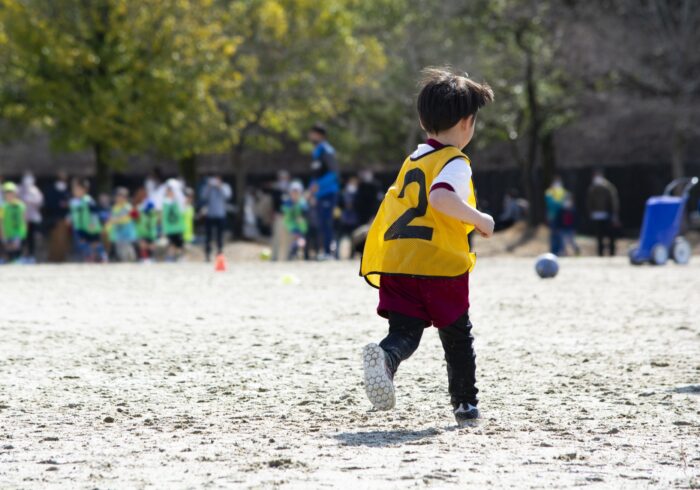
<point x="163" y="217"/>
<point x="306" y="219"/>
<point x="602" y="206"/>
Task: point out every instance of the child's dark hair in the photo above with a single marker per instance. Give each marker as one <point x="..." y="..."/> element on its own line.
<point x="82" y="183"/>
<point x="446" y="98"/>
<point x="319" y="128"/>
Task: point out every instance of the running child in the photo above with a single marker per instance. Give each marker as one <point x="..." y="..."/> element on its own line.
<point x="14" y="222"/>
<point x="417" y="252"/>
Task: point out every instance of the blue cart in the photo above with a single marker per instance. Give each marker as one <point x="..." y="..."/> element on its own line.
<point x="659" y="238"/>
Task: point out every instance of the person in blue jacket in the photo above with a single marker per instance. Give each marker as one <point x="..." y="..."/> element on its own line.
<point x="325" y="185"/>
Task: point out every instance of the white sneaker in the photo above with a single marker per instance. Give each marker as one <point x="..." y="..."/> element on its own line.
<point x="379" y="384"/>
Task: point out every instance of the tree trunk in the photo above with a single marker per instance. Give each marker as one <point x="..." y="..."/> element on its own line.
<point x="240" y="170"/>
<point x="532" y="193"/>
<point x="528" y="191"/>
<point x="188" y="169"/>
<point x="549" y="162"/>
<point x="103" y="175"/>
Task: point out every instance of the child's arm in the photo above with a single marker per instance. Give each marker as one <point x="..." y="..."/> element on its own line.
<point x="449" y="203"/>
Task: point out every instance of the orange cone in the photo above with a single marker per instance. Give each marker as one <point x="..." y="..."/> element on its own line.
<point x="220" y="263"/>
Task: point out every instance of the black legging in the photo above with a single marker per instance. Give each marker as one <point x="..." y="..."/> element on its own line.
<point x="32" y="230"/>
<point x="214" y="225"/>
<point x="404" y="336"/>
<point x="605" y="229"/>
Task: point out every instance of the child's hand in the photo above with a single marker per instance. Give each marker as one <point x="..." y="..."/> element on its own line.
<point x="485" y="227"/>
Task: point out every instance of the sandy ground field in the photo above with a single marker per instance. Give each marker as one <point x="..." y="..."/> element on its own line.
<point x="173" y="376"/>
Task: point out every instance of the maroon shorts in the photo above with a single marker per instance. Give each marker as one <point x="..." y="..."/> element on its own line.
<point x="438" y="301"/>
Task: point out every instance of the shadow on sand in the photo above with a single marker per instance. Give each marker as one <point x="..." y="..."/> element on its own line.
<point x="381" y="438"/>
<point x="690" y="389"/>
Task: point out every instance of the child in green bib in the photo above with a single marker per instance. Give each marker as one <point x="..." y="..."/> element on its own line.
<point x="173" y="220"/>
<point x="294" y="211"/>
<point x="14" y="222"/>
<point x="189" y="217"/>
<point x="147" y="229"/>
<point x="85" y="219"/>
<point x="122" y="231"/>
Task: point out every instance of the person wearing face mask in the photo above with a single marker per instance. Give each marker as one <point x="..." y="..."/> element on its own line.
<point x="56" y="209"/>
<point x="348" y="214"/>
<point x="57" y="199"/>
<point x="33" y="199"/>
<point x="603" y="209"/>
<point x="368" y="197"/>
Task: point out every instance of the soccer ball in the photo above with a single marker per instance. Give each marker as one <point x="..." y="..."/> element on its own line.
<point x="547" y="266"/>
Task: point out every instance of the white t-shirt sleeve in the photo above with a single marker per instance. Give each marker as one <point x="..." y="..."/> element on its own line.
<point x="456" y="174"/>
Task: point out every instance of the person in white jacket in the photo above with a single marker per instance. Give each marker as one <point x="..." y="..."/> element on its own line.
<point x="34" y="201"/>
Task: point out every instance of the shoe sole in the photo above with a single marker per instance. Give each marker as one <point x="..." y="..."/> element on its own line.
<point x="468" y="422"/>
<point x="378" y="385"/>
<point x="463" y="424"/>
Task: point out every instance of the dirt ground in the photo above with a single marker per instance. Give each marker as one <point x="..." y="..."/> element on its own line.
<point x="173" y="376"/>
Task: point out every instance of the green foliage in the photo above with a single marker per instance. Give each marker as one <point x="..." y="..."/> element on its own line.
<point x="182" y="77"/>
<point x="186" y="77"/>
<point x="383" y="125"/>
<point x="298" y="60"/>
<point x="109" y="74"/>
<point x="532" y="89"/>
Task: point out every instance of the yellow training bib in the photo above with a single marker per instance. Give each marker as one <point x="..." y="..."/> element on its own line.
<point x="408" y="237"/>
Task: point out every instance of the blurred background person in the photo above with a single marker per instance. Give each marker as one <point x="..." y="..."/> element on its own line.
<point x="568" y="220"/>
<point x="190" y="217"/>
<point x="324" y="185"/>
<point x="368" y="197"/>
<point x="215" y="196"/>
<point x="603" y="209"/>
<point x="348" y="221"/>
<point x="13" y="219"/>
<point x="554" y="201"/>
<point x="104" y="211"/>
<point x="280" y="236"/>
<point x="148" y="229"/>
<point x="33" y="199"/>
<point x="250" y="218"/>
<point x="294" y="209"/>
<point x="172" y="218"/>
<point x="56" y="207"/>
<point x="122" y="230"/>
<point x="513" y="210"/>
<point x="153" y="183"/>
<point x="264" y="211"/>
<point x="313" y="235"/>
<point x="85" y="219"/>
